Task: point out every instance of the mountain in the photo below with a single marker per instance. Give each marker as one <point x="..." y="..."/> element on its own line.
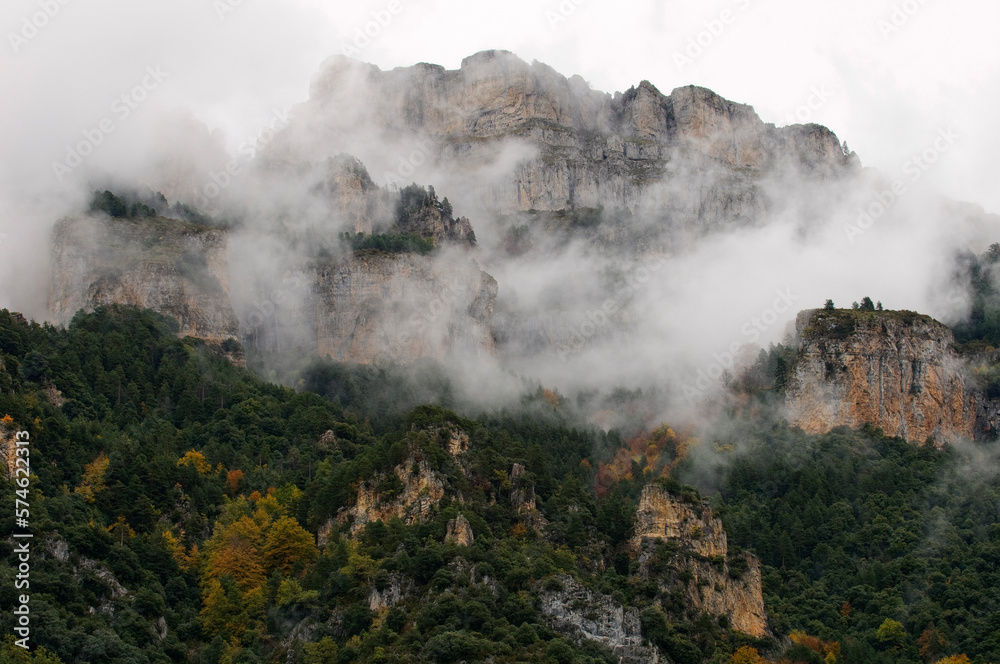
<point x="897" y="370"/>
<point x="183" y="510"/>
<point x="531" y="139"/>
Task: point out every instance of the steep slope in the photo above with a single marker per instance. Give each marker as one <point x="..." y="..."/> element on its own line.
<point x="894" y="369"/>
<point x="354" y="306"/>
<point x="526" y="138"/>
<point x="684" y="546"/>
<point x="176" y="268"/>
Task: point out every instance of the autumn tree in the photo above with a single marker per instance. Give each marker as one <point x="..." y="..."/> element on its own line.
<point x="286" y="544"/>
<point x="234" y="551"/>
<point x="747" y="655"/>
<point x="197" y="461"/>
<point x="92" y="482"/>
<point x="233" y="478"/>
<point x="931" y="643"/>
<point x="891" y="634"/>
<point x="955" y="659"/>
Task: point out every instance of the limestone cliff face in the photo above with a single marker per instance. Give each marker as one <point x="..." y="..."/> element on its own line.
<point x="173" y="267"/>
<point x="661" y="516"/>
<point x="402" y="307"/>
<point x="582" y="614"/>
<point x="411" y="491"/>
<point x="363" y="206"/>
<point x="357" y="308"/>
<point x="8" y="449"/>
<point x="896" y="370"/>
<point x="527" y="138"/>
<point x="696" y="558"/>
<point x="460" y="532"/>
<point x="412" y="499"/>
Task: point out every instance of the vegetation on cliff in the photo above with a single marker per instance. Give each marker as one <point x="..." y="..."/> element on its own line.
<point x="177" y="499"/>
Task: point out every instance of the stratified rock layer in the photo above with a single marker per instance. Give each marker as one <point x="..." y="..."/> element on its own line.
<point x="173" y="267"/>
<point x="700" y="563"/>
<point x="894" y="369"/>
<point x="583" y="614"/>
<point x="527" y="138"/>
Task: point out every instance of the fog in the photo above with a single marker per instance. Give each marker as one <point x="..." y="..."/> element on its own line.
<point x="205" y="102"/>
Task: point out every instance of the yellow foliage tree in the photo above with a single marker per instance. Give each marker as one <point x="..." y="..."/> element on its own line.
<point x="267" y="509"/>
<point x="120" y="530"/>
<point x="197" y="461"/>
<point x="92" y="481"/>
<point x="185" y="560"/>
<point x="228" y="611"/>
<point x="359" y="566"/>
<point x="747" y="655"/>
<point x="955" y="659"/>
<point x="286" y="544"/>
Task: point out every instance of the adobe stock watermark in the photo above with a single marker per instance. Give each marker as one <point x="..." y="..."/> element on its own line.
<point x="32" y="25"/>
<point x="913" y="169"/>
<point x="816" y="100"/>
<point x="246" y="151"/>
<point x="563" y="12"/>
<point x="705" y="39"/>
<point x="122" y="107"/>
<point x="900" y="16"/>
<point x="599" y="318"/>
<point x="751" y="331"/>
<point x="370" y="31"/>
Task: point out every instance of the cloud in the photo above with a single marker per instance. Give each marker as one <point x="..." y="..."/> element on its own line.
<point x="227" y="73"/>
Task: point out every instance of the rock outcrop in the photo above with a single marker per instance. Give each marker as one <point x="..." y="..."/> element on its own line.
<point x="173" y="267"/>
<point x="412" y="499"/>
<point x="402" y="307"/>
<point x="683" y="544"/>
<point x="412" y="490"/>
<point x="460" y="532"/>
<point x="527" y="138"/>
<point x="661" y="516"/>
<point x="582" y="614"/>
<point x="391" y="594"/>
<point x="894" y="369"/>
<point x="362" y="205"/>
<point x="8" y="449"/>
<point x="357" y="307"/>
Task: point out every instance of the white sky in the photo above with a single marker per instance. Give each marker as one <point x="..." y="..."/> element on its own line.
<point x="888" y="93"/>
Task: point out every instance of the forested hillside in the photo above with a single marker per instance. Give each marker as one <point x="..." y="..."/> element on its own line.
<point x="185" y="511"/>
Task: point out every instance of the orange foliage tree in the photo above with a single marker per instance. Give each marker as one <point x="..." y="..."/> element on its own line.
<point x="233" y="478"/>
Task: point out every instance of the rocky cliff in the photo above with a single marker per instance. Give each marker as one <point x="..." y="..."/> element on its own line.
<point x="583" y="614"/>
<point x="683" y="545"/>
<point x="527" y="138"/>
<point x="401" y="307"/>
<point x="176" y="268"/>
<point x="412" y="490"/>
<point x="356" y="307"/>
<point x="893" y="369"/>
<point x="411" y="498"/>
